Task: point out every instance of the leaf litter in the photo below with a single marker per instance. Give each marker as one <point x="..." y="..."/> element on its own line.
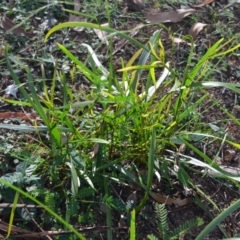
<point x="196" y="28"/>
<point x="11" y="90"/>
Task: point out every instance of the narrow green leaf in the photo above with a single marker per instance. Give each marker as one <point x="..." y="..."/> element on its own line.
<point x="87" y="72"/>
<point x="150" y="170"/>
<point x="74" y="179"/>
<point x="12" y="214"/>
<point x="93" y="26"/>
<point x="218" y="220"/>
<point x="144" y="57"/>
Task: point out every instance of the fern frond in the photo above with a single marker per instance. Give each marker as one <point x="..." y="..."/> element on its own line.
<point x="183" y="176"/>
<point x="163" y="227"/>
<point x="186" y="227"/>
<point x="49" y="200"/>
<point x="162" y="219"/>
<point x="86" y="192"/>
<point x="72" y="206"/>
<point x="152" y="237"/>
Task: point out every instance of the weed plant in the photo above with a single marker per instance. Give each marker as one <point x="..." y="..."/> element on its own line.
<point x="124" y="121"/>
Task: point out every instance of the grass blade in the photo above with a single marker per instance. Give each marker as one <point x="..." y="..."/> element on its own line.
<point x="12" y="214"/>
<point x="150" y="170"/>
<point x="218" y="220"/>
<point x="94" y="26"/>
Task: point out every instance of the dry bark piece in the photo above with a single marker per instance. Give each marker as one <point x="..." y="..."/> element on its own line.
<point x="172" y="16"/>
<point x="10" y="26"/>
<point x="196" y="28"/>
<point x="206" y="2"/>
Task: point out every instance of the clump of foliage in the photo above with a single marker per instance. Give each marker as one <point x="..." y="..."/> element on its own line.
<point x="104" y="134"/>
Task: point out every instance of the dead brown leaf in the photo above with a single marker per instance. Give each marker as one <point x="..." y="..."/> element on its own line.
<point x="206" y="2"/>
<point x="167" y="200"/>
<point x="102" y="35"/>
<point x="172" y="16"/>
<point x="8" y="25"/>
<point x="196" y="28"/>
